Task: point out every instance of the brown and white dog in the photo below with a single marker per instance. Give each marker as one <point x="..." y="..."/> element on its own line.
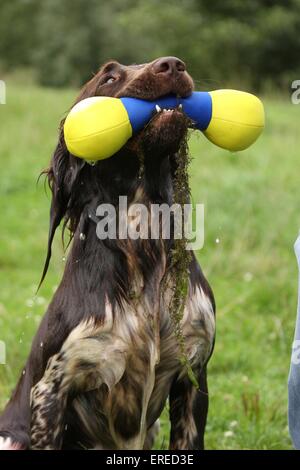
<point x="101" y="367"/>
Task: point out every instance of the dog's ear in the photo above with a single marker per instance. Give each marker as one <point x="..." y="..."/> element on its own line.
<point x="62" y="175"/>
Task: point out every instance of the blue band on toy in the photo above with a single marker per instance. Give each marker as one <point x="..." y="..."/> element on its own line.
<point x="198" y="107"/>
<point x="140" y="111"/>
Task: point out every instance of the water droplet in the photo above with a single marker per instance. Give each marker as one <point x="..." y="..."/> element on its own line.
<point x="233" y="424"/>
<point x="63" y="258"/>
<point x="217" y="240"/>
<point x="82" y="236"/>
<point x="24" y="372"/>
<point x="41" y="344"/>
<point x="248" y="277"/>
<point x="40" y="300"/>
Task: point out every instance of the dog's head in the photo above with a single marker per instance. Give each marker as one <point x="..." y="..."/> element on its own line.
<point x="148" y="82"/>
<point x="74" y="183"/>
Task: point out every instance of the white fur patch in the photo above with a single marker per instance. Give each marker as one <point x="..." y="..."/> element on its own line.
<point x="7" y="444"/>
<point x="198" y="325"/>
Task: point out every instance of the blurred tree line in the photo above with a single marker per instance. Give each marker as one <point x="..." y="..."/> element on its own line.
<point x="255" y="42"/>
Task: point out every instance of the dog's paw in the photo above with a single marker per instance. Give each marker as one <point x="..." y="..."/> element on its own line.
<point x="6" y="443"/>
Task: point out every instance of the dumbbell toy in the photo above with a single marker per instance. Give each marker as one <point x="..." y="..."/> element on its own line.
<point x="97" y="127"/>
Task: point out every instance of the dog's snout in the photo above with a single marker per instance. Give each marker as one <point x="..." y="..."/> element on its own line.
<point x="168" y="66"/>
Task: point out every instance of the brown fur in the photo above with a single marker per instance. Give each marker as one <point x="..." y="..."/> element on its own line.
<point x="109" y="358"/>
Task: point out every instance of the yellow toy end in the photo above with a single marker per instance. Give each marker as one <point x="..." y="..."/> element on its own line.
<point x="97" y="128"/>
<point x="238" y="119"/>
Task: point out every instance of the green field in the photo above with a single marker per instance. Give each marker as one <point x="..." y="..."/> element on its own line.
<point x="252" y="206"/>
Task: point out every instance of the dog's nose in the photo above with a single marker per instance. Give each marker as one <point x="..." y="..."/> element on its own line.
<point x="168" y="65"/>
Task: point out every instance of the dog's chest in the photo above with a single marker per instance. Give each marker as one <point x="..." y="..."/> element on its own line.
<point x="153" y="360"/>
<point x="198" y="330"/>
<point x="122" y="370"/>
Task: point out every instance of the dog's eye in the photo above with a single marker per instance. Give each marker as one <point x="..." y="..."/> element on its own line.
<point x="110" y="80"/>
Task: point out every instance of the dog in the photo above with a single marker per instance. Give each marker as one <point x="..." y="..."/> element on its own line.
<point x="106" y="358"/>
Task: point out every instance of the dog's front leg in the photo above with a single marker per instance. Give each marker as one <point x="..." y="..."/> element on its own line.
<point x="87" y="360"/>
<point x="188" y="413"/>
<point x="15" y="421"/>
<point x="48" y="403"/>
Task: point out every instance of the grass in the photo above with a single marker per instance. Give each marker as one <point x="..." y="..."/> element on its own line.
<point x="252" y="207"/>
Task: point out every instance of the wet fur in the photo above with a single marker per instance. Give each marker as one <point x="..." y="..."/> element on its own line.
<point x="105" y="360"/>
